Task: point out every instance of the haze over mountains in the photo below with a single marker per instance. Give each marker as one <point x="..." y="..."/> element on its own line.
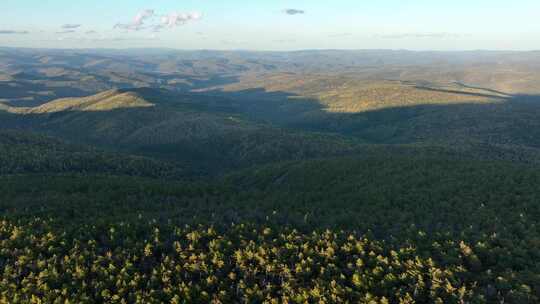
<point x="333" y="176"/>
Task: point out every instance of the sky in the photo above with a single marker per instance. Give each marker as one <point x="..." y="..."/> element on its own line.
<point x="272" y="24"/>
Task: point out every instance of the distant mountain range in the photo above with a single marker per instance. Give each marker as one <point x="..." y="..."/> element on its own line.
<point x="31" y="77"/>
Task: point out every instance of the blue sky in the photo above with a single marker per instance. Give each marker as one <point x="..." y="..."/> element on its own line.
<point x="272" y="24"/>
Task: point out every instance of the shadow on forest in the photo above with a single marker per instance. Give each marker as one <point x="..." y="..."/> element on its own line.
<point x="512" y="120"/>
<point x="508" y="119"/>
<point x="31" y="90"/>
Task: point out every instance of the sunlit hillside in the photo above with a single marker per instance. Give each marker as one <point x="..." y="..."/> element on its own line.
<point x="350" y="95"/>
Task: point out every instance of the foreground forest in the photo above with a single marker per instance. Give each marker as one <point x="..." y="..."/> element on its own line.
<point x="467" y="233"/>
<point x="223" y="177"/>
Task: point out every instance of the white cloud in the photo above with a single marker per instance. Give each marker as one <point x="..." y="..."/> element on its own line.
<point x="176" y="18"/>
<point x="142" y="16"/>
<point x="146" y="20"/>
<point x="138" y="21"/>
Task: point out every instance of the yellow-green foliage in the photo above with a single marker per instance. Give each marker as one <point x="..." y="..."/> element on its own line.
<point x="352" y="95"/>
<point x="474" y="224"/>
<point x="106" y="101"/>
<point x="143" y="263"/>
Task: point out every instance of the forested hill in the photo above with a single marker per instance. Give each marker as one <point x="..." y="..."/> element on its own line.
<point x="24" y="152"/>
<point x="156" y="176"/>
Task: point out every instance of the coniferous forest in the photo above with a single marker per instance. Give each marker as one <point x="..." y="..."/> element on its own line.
<point x="254" y="181"/>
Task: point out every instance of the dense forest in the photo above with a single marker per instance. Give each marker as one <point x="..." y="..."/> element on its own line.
<point x="467" y="233"/>
<point x="159" y="176"/>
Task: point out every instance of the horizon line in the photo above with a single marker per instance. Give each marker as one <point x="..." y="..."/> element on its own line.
<point x="273" y="51"/>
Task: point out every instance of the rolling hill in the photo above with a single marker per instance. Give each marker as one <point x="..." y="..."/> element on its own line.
<point x="384" y="111"/>
<point x="33" y="77"/>
<point x="203" y="132"/>
<point x="311" y="176"/>
<point x="218" y="130"/>
<point x="25" y="153"/>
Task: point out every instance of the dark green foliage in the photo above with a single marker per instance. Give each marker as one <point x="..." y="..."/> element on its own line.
<point x="477" y="222"/>
<point x="434" y="198"/>
<point x="22" y="152"/>
<point x="201" y="132"/>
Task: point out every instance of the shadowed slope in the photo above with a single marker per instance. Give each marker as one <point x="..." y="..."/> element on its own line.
<point x="22" y="152"/>
<point x="241" y="128"/>
<point x="204" y="132"/>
